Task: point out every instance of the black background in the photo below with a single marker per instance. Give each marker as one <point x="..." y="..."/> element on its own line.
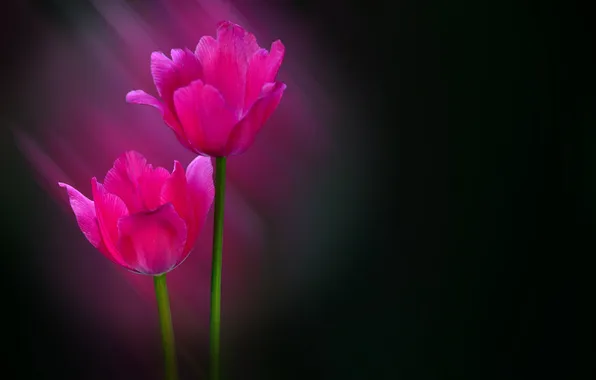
<point x="470" y="255"/>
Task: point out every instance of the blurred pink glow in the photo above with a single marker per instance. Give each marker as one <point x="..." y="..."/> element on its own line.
<point x="82" y="124"/>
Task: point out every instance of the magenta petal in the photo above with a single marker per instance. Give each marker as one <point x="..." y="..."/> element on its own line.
<point x="245" y="132"/>
<point x="217" y="120"/>
<point x="123" y="179"/>
<point x="255" y="77"/>
<point x="263" y="68"/>
<point x="141" y="97"/>
<point x="164" y="73"/>
<point x="206" y="120"/>
<point x="109" y="209"/>
<point x="245" y="43"/>
<point x="84" y="210"/>
<point x="169" y="75"/>
<point x="199" y="179"/>
<point x="207" y="51"/>
<point x="188" y="67"/>
<point x="274" y="60"/>
<point x="174" y="191"/>
<point x="225" y="61"/>
<point x="153" y="242"/>
<point x="150" y="185"/>
<point x="186" y="100"/>
<point x="201" y="191"/>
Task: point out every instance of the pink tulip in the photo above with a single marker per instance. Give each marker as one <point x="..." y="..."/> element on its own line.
<point x="217" y="98"/>
<point x="145" y="218"/>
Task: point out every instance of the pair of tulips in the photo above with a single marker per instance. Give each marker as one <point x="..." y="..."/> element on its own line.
<point x="215" y="99"/>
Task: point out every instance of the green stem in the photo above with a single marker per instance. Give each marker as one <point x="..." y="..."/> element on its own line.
<point x="214" y="322"/>
<point x="167" y="331"/>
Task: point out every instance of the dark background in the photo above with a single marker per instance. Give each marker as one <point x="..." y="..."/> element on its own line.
<point x="473" y="211"/>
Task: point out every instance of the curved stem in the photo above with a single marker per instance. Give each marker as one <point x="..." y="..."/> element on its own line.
<point x="216" y="264"/>
<point x="167" y="331"/>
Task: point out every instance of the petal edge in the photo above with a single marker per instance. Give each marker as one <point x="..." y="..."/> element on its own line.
<point x="84" y="210"/>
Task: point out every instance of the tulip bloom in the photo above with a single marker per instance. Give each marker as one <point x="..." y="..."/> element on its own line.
<point x="145" y="218"/>
<point x="217" y="98"/>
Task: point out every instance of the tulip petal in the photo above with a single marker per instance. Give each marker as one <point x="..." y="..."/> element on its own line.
<point x="207" y="51"/>
<point x="274" y="60"/>
<point x="174" y="191"/>
<point x="201" y="191"/>
<point x="187" y="103"/>
<point x="206" y="120"/>
<point x="84" y="210"/>
<point x="163" y="72"/>
<point x="109" y="209"/>
<point x="188" y="67"/>
<point x="263" y="67"/>
<point x="141" y="97"/>
<point x="169" y="75"/>
<point x="123" y="179"/>
<point x="150" y="185"/>
<point x="153" y="242"/>
<point x="245" y="132"/>
<point x="237" y="39"/>
<point x="218" y="121"/>
<point x="225" y="61"/>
